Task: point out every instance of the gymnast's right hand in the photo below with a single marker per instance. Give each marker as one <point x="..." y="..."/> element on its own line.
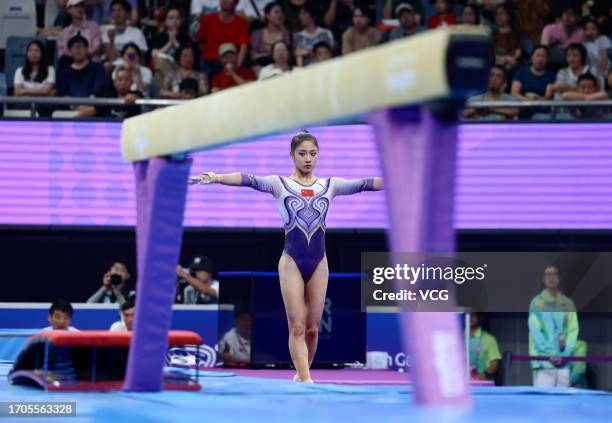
<point x="203" y="179"/>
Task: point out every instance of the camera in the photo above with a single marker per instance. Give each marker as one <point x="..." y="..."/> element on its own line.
<point x="115" y="280"/>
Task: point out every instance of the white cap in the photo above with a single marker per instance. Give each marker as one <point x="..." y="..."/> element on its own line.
<point x="74" y="2"/>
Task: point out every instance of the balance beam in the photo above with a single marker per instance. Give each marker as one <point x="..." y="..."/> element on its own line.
<point x="438" y="64"/>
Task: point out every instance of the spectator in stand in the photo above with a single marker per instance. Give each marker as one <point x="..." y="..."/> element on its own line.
<point x="60" y="316"/>
<point x="534" y="81"/>
<point x="563" y="32"/>
<point x="587" y="90"/>
<point x="443" y="16"/>
<point x="392" y="6"/>
<point x="123" y="89"/>
<point x="127" y="311"/>
<point x="322" y="52"/>
<point x="495" y="92"/>
<point x="199" y="8"/>
<point x="280" y="61"/>
<point x="361" y="35"/>
<point x="262" y="39"/>
<point x="121" y="33"/>
<point x="141" y="76"/>
<point x="189" y="89"/>
<point x="470" y="15"/>
<point x="82" y="78"/>
<point x="220" y="28"/>
<point x="114" y="285"/>
<point x="292" y="14"/>
<point x="185" y="56"/>
<point x="100" y="11"/>
<point x="408" y="22"/>
<point x="567" y="78"/>
<point x="597" y="47"/>
<point x="166" y="42"/>
<point x="252" y="10"/>
<point x="232" y="73"/>
<point x="87" y="29"/>
<point x="171" y="36"/>
<point x="35" y="77"/>
<point x="62" y="20"/>
<point x="506" y="43"/>
<point x="304" y="40"/>
<point x="338" y="15"/>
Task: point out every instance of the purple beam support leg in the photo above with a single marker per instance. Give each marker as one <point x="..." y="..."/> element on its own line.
<point x="418" y="153"/>
<point x="161" y="188"/>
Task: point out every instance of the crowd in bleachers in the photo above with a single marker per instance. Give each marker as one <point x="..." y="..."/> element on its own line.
<point x="542" y="49"/>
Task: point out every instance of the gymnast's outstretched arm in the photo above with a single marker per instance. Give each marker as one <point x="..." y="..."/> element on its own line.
<point x="352" y="186"/>
<point x="270" y="184"/>
<point x="232" y="179"/>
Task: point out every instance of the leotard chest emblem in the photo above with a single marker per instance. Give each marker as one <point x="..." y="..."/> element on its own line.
<point x="306" y="209"/>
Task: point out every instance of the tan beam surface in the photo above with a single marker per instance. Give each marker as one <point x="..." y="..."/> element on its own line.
<point x="407" y="71"/>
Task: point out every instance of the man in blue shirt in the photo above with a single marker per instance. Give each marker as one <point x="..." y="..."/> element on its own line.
<point x="82" y="78"/>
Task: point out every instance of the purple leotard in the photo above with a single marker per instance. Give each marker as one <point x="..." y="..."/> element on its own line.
<point x="303" y="209"/>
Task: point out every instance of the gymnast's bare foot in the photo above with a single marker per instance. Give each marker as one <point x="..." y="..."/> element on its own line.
<point x="297" y="378"/>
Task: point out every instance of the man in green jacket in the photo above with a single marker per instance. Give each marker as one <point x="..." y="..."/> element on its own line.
<point x="553" y="332"/>
<point x="484" y="352"/>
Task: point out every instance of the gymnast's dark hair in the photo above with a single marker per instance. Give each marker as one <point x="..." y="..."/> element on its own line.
<point x="43" y="66"/>
<point x="302" y="136"/>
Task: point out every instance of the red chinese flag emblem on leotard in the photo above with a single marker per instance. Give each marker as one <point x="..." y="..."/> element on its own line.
<point x="307" y="193"/>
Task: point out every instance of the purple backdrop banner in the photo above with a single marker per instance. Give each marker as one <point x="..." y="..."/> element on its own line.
<point x="510" y="176"/>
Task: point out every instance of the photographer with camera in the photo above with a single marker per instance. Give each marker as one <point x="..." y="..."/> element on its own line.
<point x="197" y="285"/>
<point x="113" y="289"/>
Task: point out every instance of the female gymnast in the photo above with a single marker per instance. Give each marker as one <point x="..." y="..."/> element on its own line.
<point x="303" y="201"/>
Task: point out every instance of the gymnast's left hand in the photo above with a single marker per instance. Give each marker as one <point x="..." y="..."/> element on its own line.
<point x="195" y="180"/>
<point x="203" y="179"/>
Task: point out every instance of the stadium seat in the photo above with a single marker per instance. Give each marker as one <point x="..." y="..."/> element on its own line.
<point x="17" y="18"/>
<point x="2" y="84"/>
<point x="14" y="56"/>
<point x="14" y="113"/>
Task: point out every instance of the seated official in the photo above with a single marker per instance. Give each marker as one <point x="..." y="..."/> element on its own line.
<point x="235" y="345"/>
<point x="127" y="316"/>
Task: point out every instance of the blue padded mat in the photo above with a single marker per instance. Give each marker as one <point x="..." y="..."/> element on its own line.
<point x="227" y="398"/>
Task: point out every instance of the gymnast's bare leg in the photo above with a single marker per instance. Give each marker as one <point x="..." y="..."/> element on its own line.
<point x="316" y="289"/>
